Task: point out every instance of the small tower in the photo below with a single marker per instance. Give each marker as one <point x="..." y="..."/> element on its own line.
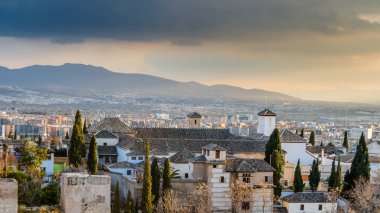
<point x="214" y="152"/>
<point x="266" y="122"/>
<point x="194" y="120"/>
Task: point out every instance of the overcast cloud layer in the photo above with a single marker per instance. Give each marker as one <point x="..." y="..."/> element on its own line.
<point x="314" y="49"/>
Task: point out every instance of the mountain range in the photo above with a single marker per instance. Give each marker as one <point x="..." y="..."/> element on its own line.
<point x="86" y="80"/>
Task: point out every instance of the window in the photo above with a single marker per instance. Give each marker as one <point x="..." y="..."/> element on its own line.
<point x="217" y="154"/>
<point x="302" y="207"/>
<point x="320" y="207"/>
<point x="222" y="179"/>
<point x="141" y="158"/>
<point x="245" y="206"/>
<point x="104" y="144"/>
<point x="286" y="183"/>
<point x="266" y="179"/>
<point x="186" y="175"/>
<point x="214" y="166"/>
<point x="247" y="178"/>
<point x="129" y="172"/>
<point x="195" y="121"/>
<point x="208" y="152"/>
<point x="133" y="158"/>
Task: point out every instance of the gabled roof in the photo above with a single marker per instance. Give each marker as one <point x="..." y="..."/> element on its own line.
<point x="200" y="158"/>
<point x="105" y="134"/>
<point x="318" y="149"/>
<point x="214" y="147"/>
<point x="194" y="115"/>
<point x="114" y="125"/>
<point x="123" y="164"/>
<point x="183" y="156"/>
<point x="266" y="112"/>
<point x="309" y="197"/>
<point x="247" y="165"/>
<point x="288" y="136"/>
<point x="107" y="150"/>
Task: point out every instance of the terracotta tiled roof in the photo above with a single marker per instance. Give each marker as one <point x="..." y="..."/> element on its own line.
<point x="107" y="150"/>
<point x="214" y="147"/>
<point x="105" y="134"/>
<point x="247" y="165"/>
<point x="123" y="164"/>
<point x="183" y="156"/>
<point x="194" y="115"/>
<point x="184" y="133"/>
<point x="288" y="136"/>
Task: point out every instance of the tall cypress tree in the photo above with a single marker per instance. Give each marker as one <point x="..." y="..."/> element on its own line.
<point x="360" y="166"/>
<point x="346" y="183"/>
<point x="155" y="180"/>
<point x="85" y="127"/>
<point x="15" y="136"/>
<point x="39" y="140"/>
<point x="147" y="200"/>
<point x="76" y="142"/>
<point x="67" y="135"/>
<point x="312" y="138"/>
<point x="315" y="176"/>
<point x="272" y="145"/>
<point x="130" y="206"/>
<point x="92" y="158"/>
<point x="332" y="177"/>
<point x="338" y="176"/>
<point x="345" y="141"/>
<point x="116" y="200"/>
<point x="298" y="184"/>
<point x="166" y="177"/>
<point x="278" y="163"/>
<point x="302" y="133"/>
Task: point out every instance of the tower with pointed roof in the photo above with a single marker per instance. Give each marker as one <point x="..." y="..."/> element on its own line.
<point x="266" y="122"/>
<point x="194" y="120"/>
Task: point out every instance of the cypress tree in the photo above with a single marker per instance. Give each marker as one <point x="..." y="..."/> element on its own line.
<point x="360" y="166"/>
<point x="312" y="138"/>
<point x="15" y="136"/>
<point x="278" y="164"/>
<point x="298" y="184"/>
<point x="346" y="183"/>
<point x="92" y="158"/>
<point x="302" y="133"/>
<point x="76" y="142"/>
<point x="338" y="176"/>
<point x="85" y="127"/>
<point x="39" y="140"/>
<point x="272" y="145"/>
<point x="116" y="200"/>
<point x="345" y="141"/>
<point x="166" y="177"/>
<point x="147" y="200"/>
<point x="155" y="180"/>
<point x="137" y="206"/>
<point x="129" y="208"/>
<point x="332" y="177"/>
<point x="67" y="135"/>
<point x="315" y="176"/>
<point x="10" y="135"/>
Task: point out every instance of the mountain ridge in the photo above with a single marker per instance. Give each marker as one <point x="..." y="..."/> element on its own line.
<point x="85" y="79"/>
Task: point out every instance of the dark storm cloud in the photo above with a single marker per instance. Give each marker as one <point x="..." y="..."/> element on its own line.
<point x="68" y="21"/>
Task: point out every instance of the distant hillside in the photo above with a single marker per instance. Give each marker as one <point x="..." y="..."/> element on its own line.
<point x="86" y="80"/>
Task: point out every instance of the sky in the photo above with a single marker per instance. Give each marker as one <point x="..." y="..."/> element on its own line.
<point x="313" y="49"/>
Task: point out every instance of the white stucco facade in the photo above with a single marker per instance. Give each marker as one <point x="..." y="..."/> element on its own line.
<point x="310" y="207"/>
<point x="297" y="150"/>
<point x="266" y="125"/>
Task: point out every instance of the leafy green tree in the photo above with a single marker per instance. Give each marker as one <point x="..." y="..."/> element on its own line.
<point x="298" y="184"/>
<point x="67" y="135"/>
<point x="54" y="142"/>
<point x="129" y="207"/>
<point x="302" y="133"/>
<point x="92" y="158"/>
<point x="147" y="200"/>
<point x="31" y="158"/>
<point x="312" y="138"/>
<point x="50" y="194"/>
<point x="85" y="127"/>
<point x="166" y="176"/>
<point x="345" y="141"/>
<point x="332" y="177"/>
<point x="77" y="143"/>
<point x="315" y="176"/>
<point x="155" y="170"/>
<point x="116" y="200"/>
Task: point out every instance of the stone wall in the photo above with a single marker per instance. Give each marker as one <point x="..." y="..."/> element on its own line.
<point x="8" y="195"/>
<point x="85" y="193"/>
